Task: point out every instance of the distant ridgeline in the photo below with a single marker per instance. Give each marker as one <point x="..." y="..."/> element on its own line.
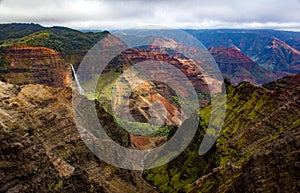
<point x="276" y="51"/>
<point x="256" y="56"/>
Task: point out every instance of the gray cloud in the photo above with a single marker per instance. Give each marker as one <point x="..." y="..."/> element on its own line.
<point x="104" y="14"/>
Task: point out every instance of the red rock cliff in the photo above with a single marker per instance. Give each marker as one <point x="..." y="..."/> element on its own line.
<point x="35" y="65"/>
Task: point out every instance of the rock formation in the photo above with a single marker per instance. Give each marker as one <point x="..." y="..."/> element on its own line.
<point x="237" y="67"/>
<point x="41" y="149"/>
<point x="34" y="65"/>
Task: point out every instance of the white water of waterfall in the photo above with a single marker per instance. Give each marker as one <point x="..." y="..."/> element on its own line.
<point x="143" y="160"/>
<point x="81" y="91"/>
<point x="143" y="165"/>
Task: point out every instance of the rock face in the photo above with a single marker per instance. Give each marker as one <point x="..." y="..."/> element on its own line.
<point x="146" y="86"/>
<point x="281" y="172"/>
<point x="237" y="67"/>
<point x="34" y="65"/>
<point x="284" y="57"/>
<point x="256" y="151"/>
<point x="163" y="69"/>
<point x="150" y="105"/>
<point x="186" y="66"/>
<point x="41" y="150"/>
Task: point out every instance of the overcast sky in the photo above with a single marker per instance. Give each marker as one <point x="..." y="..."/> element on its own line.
<point x="116" y="14"/>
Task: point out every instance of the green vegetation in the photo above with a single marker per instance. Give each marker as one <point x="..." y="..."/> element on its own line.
<point x="247" y="105"/>
<point x="164" y="131"/>
<point x="139" y="128"/>
<point x="177" y="100"/>
<point x="145" y="129"/>
<point x="17" y="30"/>
<point x="104" y="87"/>
<point x="72" y="44"/>
<point x="182" y="171"/>
<point x="2" y="62"/>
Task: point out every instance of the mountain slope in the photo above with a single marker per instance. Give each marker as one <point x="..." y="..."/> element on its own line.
<point x="256" y="151"/>
<point x="42" y="151"/>
<point x="17" y="30"/>
<point x="237" y="67"/>
<point x="287" y="82"/>
<point x="71" y="44"/>
<point x="285" y="58"/>
<point x="262" y="46"/>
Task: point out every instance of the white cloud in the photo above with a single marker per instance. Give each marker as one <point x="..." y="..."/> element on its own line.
<point x="112" y="14"/>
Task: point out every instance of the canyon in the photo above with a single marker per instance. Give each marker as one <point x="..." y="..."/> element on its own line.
<point x="42" y="150"/>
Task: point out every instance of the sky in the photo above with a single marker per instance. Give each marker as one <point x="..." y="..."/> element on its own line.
<point x="120" y="14"/>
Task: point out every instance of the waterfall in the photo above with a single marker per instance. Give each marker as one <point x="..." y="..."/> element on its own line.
<point x="143" y="168"/>
<point x="143" y="160"/>
<point x="81" y="91"/>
